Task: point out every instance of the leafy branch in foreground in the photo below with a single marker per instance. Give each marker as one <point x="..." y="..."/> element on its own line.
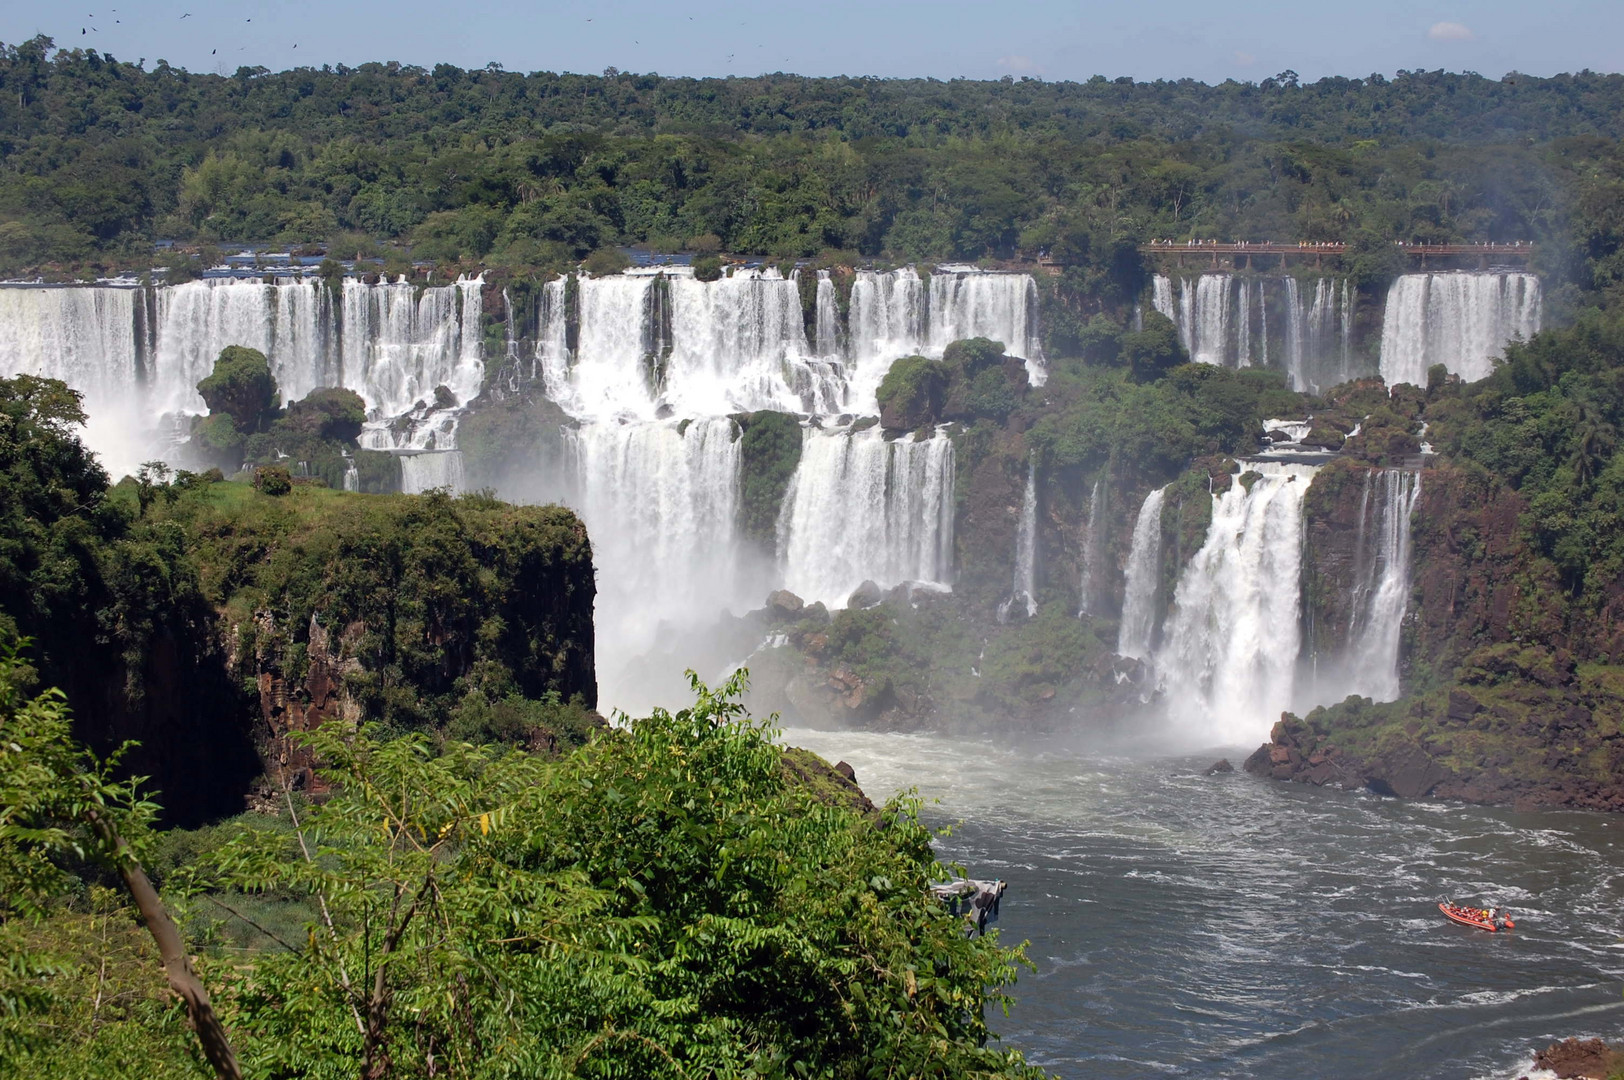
<point x="662" y="903"/>
<point x="58" y="801"/>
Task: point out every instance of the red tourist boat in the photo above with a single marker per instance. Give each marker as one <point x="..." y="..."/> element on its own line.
<point x="1490" y="919"/>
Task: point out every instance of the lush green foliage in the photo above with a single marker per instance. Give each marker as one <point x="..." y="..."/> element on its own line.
<point x="444" y="597"/>
<point x="544" y="169"/>
<point x="1547" y="423"/>
<point x="242" y="387"/>
<point x="667" y="902"/>
<point x="769" y="451"/>
<point x="911" y="393"/>
<point x="50" y="788"/>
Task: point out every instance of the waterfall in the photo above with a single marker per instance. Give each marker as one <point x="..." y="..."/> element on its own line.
<point x="87" y="338"/>
<point x="1002" y="307"/>
<point x="400" y="342"/>
<point x="739" y="344"/>
<point x="1227" y="662"/>
<point x="1461" y="320"/>
<point x="609" y="375"/>
<point x="1381" y="592"/>
<point x="352" y="475"/>
<point x="1093" y="547"/>
<point x="425" y="472"/>
<point x="659" y="500"/>
<point x="1296" y="362"/>
<point x="830" y="341"/>
<point x="1215" y="315"/>
<point x="886" y="321"/>
<point x="391" y="343"/>
<point x="1024" y="588"/>
<point x="1161" y="298"/>
<point x="552" y="345"/>
<point x="860" y="507"/>
<point x="1137" y="632"/>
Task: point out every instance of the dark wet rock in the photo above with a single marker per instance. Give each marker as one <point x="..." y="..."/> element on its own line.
<point x="664" y="412"/>
<point x="1462" y="707"/>
<point x="815" y="613"/>
<point x="1408" y="772"/>
<point x="846" y="770"/>
<point x="1222" y="765"/>
<point x="866" y="595"/>
<point x="1572" y="1058"/>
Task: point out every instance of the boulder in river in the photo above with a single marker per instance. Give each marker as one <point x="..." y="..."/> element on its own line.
<point x="1222" y="765"/>
<point x="866" y="595"/>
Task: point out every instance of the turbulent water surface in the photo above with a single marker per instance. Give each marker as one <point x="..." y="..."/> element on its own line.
<point x="1226" y="926"/>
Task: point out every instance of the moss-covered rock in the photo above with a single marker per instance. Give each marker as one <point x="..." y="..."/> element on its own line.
<point x="911" y="393"/>
<point x="769" y="451"/>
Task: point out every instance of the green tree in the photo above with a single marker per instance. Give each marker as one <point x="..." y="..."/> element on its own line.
<point x="666" y="902"/>
<point x="242" y="387"/>
<point x="1152" y="352"/>
<point x="59" y="802"/>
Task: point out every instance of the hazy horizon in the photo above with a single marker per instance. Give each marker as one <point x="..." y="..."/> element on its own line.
<point x="1044" y="38"/>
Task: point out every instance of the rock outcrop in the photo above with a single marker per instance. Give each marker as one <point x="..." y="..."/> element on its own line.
<point x="1579" y="1059"/>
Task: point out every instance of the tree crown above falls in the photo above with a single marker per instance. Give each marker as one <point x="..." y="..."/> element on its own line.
<point x="242" y="387"/>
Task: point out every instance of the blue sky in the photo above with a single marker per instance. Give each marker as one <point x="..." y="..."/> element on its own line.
<point x="944" y="38"/>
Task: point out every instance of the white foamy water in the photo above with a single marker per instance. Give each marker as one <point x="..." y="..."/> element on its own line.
<point x="137" y="355"/>
<point x="1369" y="665"/>
<point x="660" y="502"/>
<point x="1225" y="319"/>
<point x="1461" y="320"/>
<point x="428" y="471"/>
<point x="1228" y="658"/>
<point x="1137" y="632"/>
<point x="1023" y="590"/>
<point x="861" y="508"/>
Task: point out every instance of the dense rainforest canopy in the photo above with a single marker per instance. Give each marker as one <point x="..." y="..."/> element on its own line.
<point x="98" y="157"/>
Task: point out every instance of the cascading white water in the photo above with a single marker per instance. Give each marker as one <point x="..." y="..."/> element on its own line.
<point x="861" y="507"/>
<point x="1219" y="323"/>
<point x="739" y="344"/>
<point x="400" y="343"/>
<point x="886" y="320"/>
<point x="1381" y="592"/>
<point x="830" y="341"/>
<point x="1002" y="307"/>
<point x="425" y="472"/>
<point x="1461" y="320"/>
<point x="609" y="376"/>
<point x="1228" y="658"/>
<point x="1093" y="553"/>
<point x="1137" y="632"/>
<point x="659" y="500"/>
<point x="87" y="338"/>
<point x="395" y="348"/>
<point x="352" y="476"/>
<point x="1023" y="589"/>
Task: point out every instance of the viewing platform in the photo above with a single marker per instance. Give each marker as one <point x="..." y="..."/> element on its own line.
<point x="1240" y="255"/>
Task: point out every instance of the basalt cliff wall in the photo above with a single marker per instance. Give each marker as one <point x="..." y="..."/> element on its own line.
<point x="1514" y="692"/>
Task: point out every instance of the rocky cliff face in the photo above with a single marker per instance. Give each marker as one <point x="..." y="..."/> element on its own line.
<point x="396" y="608"/>
<point x="1513" y="693"/>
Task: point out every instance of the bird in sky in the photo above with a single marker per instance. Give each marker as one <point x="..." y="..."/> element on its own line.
<point x="188" y="15"/>
<point x="82" y="30"/>
<point x="213" y="51"/>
